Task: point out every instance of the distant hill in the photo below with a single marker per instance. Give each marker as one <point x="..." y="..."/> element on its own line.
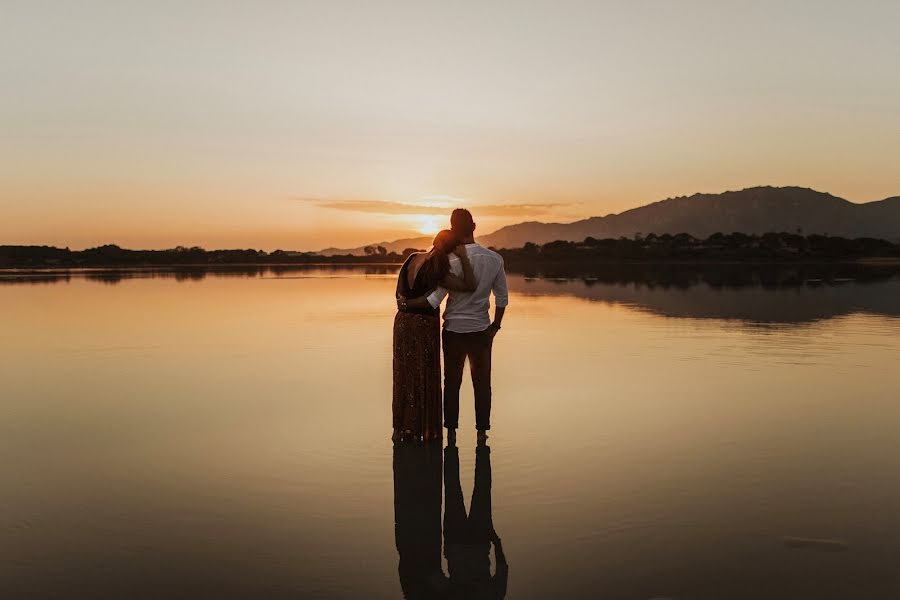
<point x="397" y="246"/>
<point x="753" y="210"/>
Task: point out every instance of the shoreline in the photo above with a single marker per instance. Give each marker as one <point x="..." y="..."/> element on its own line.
<point x="875" y="261"/>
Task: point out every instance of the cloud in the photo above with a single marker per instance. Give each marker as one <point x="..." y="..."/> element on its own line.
<point x="386" y="207"/>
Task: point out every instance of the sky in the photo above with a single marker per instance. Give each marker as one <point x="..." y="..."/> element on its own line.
<point x="301" y="125"/>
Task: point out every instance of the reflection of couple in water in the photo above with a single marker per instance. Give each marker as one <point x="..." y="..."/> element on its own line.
<point x="467" y="538"/>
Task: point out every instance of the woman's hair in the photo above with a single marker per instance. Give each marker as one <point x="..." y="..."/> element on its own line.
<point x="438" y="265"/>
<point x="445" y="241"/>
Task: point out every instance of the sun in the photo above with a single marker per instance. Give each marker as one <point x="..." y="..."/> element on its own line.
<point x="428" y="224"/>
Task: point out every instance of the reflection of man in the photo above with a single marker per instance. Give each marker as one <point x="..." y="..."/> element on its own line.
<point x="467" y="539"/>
<point x="468" y="329"/>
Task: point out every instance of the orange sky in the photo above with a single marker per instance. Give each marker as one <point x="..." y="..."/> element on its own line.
<point x="308" y="125"/>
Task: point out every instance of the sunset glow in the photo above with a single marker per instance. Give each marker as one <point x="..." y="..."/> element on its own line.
<point x="177" y="135"/>
<point x="429" y="224"/>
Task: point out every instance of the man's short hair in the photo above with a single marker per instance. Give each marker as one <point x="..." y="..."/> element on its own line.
<point x="461" y="222"/>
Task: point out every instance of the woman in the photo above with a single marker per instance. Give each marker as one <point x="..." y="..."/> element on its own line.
<point x="417" y="338"/>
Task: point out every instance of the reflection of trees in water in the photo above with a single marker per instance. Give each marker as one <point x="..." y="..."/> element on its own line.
<point x="188" y="274"/>
<point x="117" y="276"/>
<point x="736" y="275"/>
<point x="752" y="293"/>
<point x="33" y="278"/>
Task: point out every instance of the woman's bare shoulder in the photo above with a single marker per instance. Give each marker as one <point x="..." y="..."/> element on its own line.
<point x="413" y="264"/>
<point x="413" y="257"/>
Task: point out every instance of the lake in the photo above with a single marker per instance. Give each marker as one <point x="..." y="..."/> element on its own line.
<point x="227" y="434"/>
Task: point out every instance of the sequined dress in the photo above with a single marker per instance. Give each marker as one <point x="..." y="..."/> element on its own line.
<point x="417" y="365"/>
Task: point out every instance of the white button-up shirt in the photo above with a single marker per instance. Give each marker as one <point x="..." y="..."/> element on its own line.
<point x="467" y="312"/>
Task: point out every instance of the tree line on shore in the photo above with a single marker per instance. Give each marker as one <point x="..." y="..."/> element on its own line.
<point x="775" y="247"/>
<point x="112" y="255"/>
<point x="735" y="246"/>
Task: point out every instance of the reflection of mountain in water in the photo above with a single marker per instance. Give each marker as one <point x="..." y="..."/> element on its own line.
<point x="761" y="293"/>
<point x="799" y="295"/>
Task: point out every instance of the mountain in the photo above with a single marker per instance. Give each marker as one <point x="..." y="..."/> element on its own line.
<point x="753" y="210"/>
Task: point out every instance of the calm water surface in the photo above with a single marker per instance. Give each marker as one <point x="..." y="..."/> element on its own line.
<point x="228" y="436"/>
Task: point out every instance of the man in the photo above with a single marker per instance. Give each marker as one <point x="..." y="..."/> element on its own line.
<point x="468" y="329"/>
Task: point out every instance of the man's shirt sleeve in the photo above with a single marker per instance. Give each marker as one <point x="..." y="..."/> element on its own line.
<point x="501" y="293"/>
<point x="437" y="296"/>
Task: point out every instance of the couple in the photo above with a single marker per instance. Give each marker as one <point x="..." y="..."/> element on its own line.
<point x="470" y="273"/>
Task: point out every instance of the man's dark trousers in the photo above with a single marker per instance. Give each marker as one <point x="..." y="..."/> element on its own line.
<point x="477" y="348"/>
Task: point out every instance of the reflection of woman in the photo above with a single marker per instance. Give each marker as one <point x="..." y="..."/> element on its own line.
<point x="417" y="359"/>
<point x="417" y="520"/>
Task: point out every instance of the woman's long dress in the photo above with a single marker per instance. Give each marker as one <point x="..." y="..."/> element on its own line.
<point x="417" y="365"/>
